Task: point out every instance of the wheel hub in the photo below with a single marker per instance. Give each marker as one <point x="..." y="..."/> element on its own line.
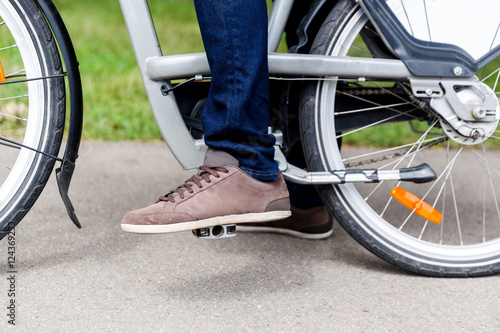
<point x="469" y="110"/>
<point x="483" y="132"/>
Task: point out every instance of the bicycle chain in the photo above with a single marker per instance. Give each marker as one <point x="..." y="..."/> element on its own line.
<point x="369" y="92"/>
<point x="393" y="155"/>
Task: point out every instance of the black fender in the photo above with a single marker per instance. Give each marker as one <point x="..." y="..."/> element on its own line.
<point x="421" y="57"/>
<point x="65" y="171"/>
<point x="305" y="22"/>
<point x="311" y="23"/>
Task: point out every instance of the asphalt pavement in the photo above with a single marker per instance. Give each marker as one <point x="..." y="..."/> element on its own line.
<point x="100" y="279"/>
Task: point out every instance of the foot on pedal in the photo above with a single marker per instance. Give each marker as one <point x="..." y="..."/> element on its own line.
<point x="216" y="232"/>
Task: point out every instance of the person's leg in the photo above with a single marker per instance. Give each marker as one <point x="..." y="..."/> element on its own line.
<point x="236" y="114"/>
<point x="239" y="181"/>
<point x="310" y="219"/>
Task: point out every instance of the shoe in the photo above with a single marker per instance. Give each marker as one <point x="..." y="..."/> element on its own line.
<point x="221" y="193"/>
<point x="314" y="223"/>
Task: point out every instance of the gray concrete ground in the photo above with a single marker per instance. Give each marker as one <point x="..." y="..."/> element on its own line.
<point x="101" y="279"/>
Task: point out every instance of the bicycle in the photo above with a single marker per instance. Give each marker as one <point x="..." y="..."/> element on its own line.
<point x="359" y="66"/>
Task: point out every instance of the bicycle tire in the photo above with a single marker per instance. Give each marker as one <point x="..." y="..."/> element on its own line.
<point x="365" y="216"/>
<point x="40" y="105"/>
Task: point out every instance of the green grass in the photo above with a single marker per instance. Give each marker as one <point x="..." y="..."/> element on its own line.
<point x="116" y="107"/>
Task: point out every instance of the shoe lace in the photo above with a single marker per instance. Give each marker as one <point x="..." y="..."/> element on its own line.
<point x="195" y="180"/>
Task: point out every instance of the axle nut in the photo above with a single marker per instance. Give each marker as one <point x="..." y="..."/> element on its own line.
<point x="475" y="134"/>
<point x="478" y="112"/>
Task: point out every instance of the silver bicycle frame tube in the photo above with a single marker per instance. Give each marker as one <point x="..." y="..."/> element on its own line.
<point x="277" y="21"/>
<point x="283" y="64"/>
<point x="156" y="70"/>
<point x="146" y="46"/>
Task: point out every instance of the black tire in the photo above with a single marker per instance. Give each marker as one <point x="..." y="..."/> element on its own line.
<point x="39" y="108"/>
<point x="417" y="249"/>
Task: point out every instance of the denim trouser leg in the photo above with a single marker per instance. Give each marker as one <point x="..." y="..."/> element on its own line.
<point x="236" y="114"/>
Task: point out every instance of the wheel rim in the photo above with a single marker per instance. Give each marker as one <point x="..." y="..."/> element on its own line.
<point x="19" y="163"/>
<point x="418" y="242"/>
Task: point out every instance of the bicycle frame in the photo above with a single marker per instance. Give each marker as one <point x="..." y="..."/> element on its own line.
<point x="157" y="70"/>
<point x="437" y="87"/>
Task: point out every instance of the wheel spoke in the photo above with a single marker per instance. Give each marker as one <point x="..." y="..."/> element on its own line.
<point x="496" y="81"/>
<point x="446" y="170"/>
<point x="456" y="210"/>
<point x="427" y="21"/>
<point x="5" y="166"/>
<point x="15" y="74"/>
<point x="361" y="50"/>
<point x="410" y="152"/>
<point x="8" y="47"/>
<point x="441" y="190"/>
<point x="497" y="71"/>
<point x="372" y="108"/>
<point x="443" y="210"/>
<point x="484" y="206"/>
<point x="391" y="149"/>
<point x="423" y="229"/>
<point x="494" y="37"/>
<point x="12" y="116"/>
<point x="487" y="165"/>
<point x="406" y="113"/>
<point x="419" y="143"/>
<point x="13" y="97"/>
<point x="369" y="125"/>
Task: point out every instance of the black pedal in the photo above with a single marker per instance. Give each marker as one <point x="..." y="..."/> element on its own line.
<point x="216" y="232"/>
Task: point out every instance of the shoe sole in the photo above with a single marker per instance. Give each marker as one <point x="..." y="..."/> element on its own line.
<point x="210" y="222"/>
<point x="284" y="231"/>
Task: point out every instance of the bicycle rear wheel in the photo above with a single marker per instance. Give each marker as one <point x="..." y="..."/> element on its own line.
<point x="467" y="241"/>
<point x="32" y="107"/>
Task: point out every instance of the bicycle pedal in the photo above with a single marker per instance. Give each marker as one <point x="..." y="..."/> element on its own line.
<point x="216" y="232"/>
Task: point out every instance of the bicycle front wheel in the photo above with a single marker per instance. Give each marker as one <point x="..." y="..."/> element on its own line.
<point x="467" y="240"/>
<point x="32" y="107"/>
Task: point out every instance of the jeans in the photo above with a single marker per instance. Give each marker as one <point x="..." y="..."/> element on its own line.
<point x="236" y="114"/>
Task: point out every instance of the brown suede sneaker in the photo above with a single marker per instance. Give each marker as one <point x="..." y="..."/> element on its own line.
<point x="221" y="193"/>
<point x="314" y="223"/>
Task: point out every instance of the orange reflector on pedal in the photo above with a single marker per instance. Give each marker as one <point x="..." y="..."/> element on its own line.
<point x="414" y="203"/>
<point x="2" y="74"/>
